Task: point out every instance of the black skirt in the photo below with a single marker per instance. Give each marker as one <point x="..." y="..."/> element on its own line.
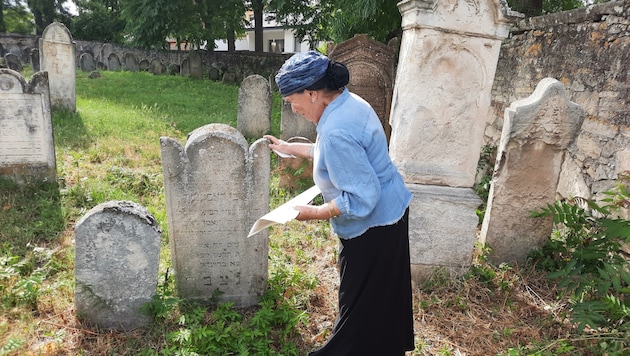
<point x="375" y="302"/>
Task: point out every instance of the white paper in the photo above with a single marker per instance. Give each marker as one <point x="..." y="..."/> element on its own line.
<point x="284" y="155"/>
<point x="284" y="212"/>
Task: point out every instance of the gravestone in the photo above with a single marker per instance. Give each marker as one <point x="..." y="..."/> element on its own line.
<point x="35" y="60"/>
<point x="13" y="62"/>
<point x="295" y="125"/>
<point x="144" y="65"/>
<point x="214" y="74"/>
<point x="1" y="50"/>
<point x="156" y="67"/>
<point x="447" y="60"/>
<point x="113" y="62"/>
<point x="106" y="50"/>
<point x="86" y="62"/>
<point x="173" y="69"/>
<point x="195" y="65"/>
<point x="185" y="68"/>
<point x="27" y="151"/>
<point x="26" y="55"/>
<point x="254" y="106"/>
<point x="371" y="65"/>
<point x="117" y="255"/>
<point x="130" y="62"/>
<point x="57" y="57"/>
<point x="216" y="188"/>
<point x="536" y="133"/>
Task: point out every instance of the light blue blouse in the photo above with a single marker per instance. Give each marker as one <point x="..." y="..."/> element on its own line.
<point x="351" y="165"/>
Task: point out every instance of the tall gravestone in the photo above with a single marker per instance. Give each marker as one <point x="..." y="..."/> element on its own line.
<point x="105" y="51"/>
<point x="195" y="65"/>
<point x="536" y="133"/>
<point x="254" y="106"/>
<point x="371" y="65"/>
<point x="86" y="62"/>
<point x="216" y="187"/>
<point x="117" y="255"/>
<point x="27" y="150"/>
<point x="57" y="57"/>
<point x="447" y="60"/>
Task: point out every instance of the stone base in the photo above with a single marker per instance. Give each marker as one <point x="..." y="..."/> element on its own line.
<point x="442" y="228"/>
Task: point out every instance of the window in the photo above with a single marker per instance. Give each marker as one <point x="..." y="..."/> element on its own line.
<point x="276" y="46"/>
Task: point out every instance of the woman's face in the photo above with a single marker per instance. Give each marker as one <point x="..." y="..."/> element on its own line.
<point x="306" y="104"/>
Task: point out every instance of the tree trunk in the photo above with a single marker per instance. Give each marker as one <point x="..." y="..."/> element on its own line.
<point x="231" y="40"/>
<point x="3" y="27"/>
<point x="257" y="6"/>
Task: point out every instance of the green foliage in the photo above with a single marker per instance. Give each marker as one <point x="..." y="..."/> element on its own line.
<point x="17" y="19"/>
<point x="99" y="20"/>
<point x="585" y="256"/>
<point x="21" y="278"/>
<point x="485" y="170"/>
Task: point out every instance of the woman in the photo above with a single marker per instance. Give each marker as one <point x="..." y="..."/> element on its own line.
<point x="366" y="202"/>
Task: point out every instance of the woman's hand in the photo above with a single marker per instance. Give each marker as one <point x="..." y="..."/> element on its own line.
<point x="279" y="146"/>
<point x="289" y="149"/>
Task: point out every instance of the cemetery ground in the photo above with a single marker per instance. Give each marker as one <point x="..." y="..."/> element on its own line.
<point x="109" y="150"/>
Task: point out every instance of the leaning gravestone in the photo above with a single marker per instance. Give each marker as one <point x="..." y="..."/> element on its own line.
<point x="117" y="246"/>
<point x="216" y="188"/>
<point x="57" y="57"/>
<point x="254" y="106"/>
<point x="536" y="133"/>
<point x="27" y="151"/>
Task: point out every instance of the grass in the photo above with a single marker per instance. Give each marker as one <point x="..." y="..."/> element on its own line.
<point x="109" y="149"/>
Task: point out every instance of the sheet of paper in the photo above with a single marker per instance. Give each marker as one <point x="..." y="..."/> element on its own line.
<point x="284" y="212"/>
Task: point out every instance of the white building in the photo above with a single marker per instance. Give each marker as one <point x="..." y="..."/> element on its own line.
<point x="275" y="39"/>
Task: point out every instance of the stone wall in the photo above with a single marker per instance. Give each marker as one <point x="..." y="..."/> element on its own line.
<point x="230" y="66"/>
<point x="588" y="50"/>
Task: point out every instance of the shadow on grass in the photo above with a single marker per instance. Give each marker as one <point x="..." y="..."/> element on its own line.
<point x="69" y="130"/>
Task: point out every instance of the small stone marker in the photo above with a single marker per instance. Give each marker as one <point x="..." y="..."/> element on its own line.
<point x="195" y="64"/>
<point x="57" y="57"/>
<point x="216" y="188"/>
<point x="254" y="106"/>
<point x="130" y="62"/>
<point x="27" y="151"/>
<point x="536" y="133"/>
<point x="116" y="265"/>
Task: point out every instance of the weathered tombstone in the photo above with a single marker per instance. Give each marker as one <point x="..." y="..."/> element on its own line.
<point x="35" y="59"/>
<point x="155" y="66"/>
<point x="214" y="74"/>
<point x="536" y="133"/>
<point x="25" y="55"/>
<point x="295" y="125"/>
<point x="113" y="62"/>
<point x="130" y="62"/>
<point x="106" y="50"/>
<point x="1" y="50"/>
<point x="86" y="62"/>
<point x="117" y="255"/>
<point x="57" y="57"/>
<point x="27" y="151"/>
<point x="216" y="188"/>
<point x="195" y="65"/>
<point x="173" y="69"/>
<point x="447" y="60"/>
<point x="13" y="62"/>
<point x="371" y="65"/>
<point x="144" y="65"/>
<point x="185" y="68"/>
<point x="293" y="172"/>
<point x="254" y="107"/>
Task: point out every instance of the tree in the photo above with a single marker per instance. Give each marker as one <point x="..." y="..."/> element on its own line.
<point x="3" y="27"/>
<point x="16" y="18"/>
<point x="46" y="12"/>
<point x="99" y="20"/>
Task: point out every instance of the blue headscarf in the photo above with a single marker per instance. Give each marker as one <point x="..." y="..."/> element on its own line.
<point x="300" y="71"/>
